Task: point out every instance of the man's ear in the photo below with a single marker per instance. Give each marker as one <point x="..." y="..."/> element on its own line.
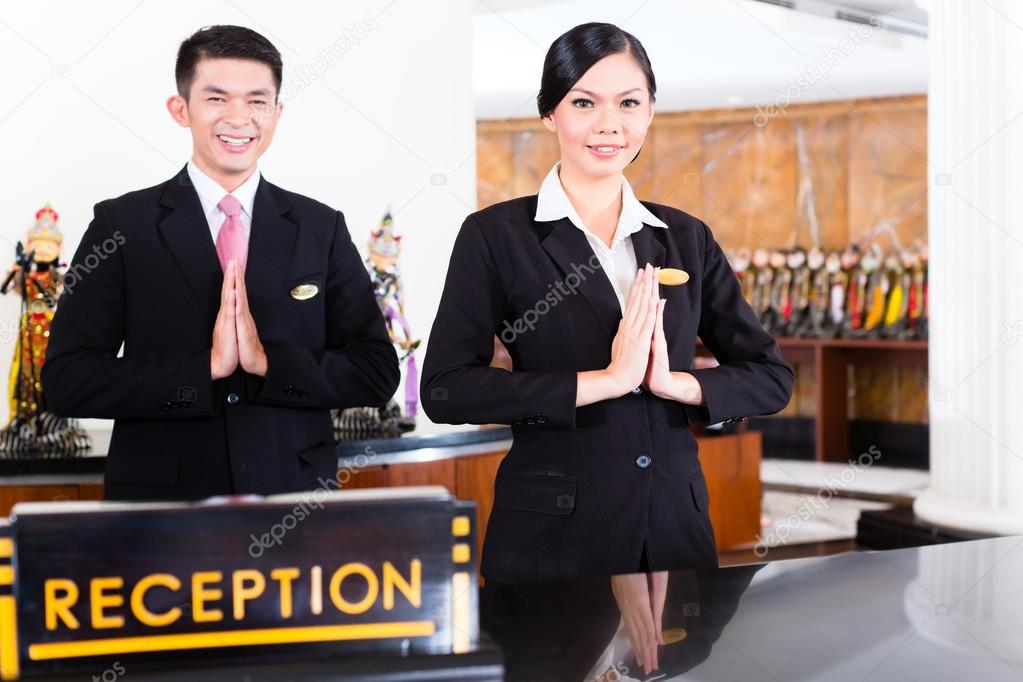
<point x="549" y="124"/>
<point x="178" y="108"/>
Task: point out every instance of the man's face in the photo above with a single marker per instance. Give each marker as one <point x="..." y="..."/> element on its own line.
<point x="232" y="111"/>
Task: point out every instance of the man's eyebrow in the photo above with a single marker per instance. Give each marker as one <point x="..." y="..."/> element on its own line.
<point x="593" y="94"/>
<point x="221" y="91"/>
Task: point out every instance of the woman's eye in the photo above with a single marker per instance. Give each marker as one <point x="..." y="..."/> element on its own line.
<point x="630" y="103"/>
<point x="582" y="103"/>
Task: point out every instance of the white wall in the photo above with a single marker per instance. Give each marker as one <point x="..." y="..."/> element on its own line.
<point x="379" y="111"/>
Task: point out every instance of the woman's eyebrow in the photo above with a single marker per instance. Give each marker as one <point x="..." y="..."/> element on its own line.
<point x="593" y="94"/>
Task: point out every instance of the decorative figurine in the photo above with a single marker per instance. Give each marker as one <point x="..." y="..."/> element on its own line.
<point x="897" y="306"/>
<point x="856" y="292"/>
<point x="838" y="288"/>
<point x="818" y="294"/>
<point x="742" y="262"/>
<point x="780" y="303"/>
<point x="762" y="284"/>
<point x="371" y="422"/>
<point x="799" y="314"/>
<point x="36" y="277"/>
<point x="877" y="288"/>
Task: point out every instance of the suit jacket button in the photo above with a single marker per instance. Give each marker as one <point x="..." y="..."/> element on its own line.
<point x="643" y="461"/>
<point x="232" y="398"/>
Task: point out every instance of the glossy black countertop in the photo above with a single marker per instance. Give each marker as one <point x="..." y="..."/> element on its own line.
<point x="941" y="612"/>
<point x="411" y="447"/>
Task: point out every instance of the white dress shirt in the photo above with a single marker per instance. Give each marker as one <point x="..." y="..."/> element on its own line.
<point x="210" y="193"/>
<point x="617" y="261"/>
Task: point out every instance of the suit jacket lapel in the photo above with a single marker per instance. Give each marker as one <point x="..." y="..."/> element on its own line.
<point x="649" y="248"/>
<point x="567" y="245"/>
<point x="186" y="232"/>
<point x="271" y="242"/>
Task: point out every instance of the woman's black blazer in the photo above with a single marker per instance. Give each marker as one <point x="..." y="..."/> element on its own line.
<point x="582" y="489"/>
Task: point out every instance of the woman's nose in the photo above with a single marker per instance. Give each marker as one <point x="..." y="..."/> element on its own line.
<point x="608" y="123"/>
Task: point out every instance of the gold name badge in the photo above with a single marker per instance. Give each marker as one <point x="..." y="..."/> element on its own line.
<point x="304" y="292"/>
<point x="672" y="635"/>
<point x="672" y="277"/>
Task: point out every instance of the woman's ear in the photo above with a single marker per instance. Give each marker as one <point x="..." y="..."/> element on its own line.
<point x="549" y="124"/>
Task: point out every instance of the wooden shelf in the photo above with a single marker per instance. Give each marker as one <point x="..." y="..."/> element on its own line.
<point x="831" y="359"/>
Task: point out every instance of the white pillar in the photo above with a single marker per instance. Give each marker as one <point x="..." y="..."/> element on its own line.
<point x="975" y="214"/>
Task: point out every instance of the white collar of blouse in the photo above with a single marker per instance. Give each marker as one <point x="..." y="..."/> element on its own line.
<point x="553" y="204"/>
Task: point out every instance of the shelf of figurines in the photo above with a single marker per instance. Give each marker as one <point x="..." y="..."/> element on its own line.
<point x="832" y="310"/>
<point x="855" y="298"/>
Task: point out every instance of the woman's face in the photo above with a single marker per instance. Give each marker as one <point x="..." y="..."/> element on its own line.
<point x="602" y="121"/>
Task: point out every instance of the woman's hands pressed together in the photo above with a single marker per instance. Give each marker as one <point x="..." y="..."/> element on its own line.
<point x="630" y="351"/>
<point x="639" y="353"/>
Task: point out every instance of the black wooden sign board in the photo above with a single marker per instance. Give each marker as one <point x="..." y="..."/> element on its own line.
<point x="99" y="587"/>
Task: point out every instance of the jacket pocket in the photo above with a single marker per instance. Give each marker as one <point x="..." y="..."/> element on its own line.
<point x="543" y="493"/>
<point x="698" y="487"/>
<point x="146" y="469"/>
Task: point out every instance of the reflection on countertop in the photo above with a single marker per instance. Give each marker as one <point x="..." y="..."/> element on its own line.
<point x="952" y="611"/>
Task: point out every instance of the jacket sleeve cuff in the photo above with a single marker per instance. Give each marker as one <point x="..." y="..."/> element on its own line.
<point x="562" y="400"/>
<point x="284" y="363"/>
<point x="193" y="397"/>
<point x="713" y="398"/>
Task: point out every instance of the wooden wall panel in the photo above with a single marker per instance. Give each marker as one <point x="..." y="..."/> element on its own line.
<point x="867" y="165"/>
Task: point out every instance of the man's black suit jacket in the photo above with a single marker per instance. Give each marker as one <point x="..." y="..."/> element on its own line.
<point x="583" y="488"/>
<point x="147" y="275"/>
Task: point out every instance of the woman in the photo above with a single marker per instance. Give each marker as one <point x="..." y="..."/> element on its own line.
<point x="603" y="475"/>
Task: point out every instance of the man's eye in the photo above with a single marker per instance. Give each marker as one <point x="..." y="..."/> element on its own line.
<point x="582" y="103"/>
<point x="630" y="103"/>
<point x="214" y="99"/>
<point x="259" y="102"/>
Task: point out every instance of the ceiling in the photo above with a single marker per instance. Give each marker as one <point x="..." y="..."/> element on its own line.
<point x="710" y="53"/>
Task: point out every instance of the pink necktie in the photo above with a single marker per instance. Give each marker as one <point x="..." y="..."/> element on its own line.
<point x="232" y="244"/>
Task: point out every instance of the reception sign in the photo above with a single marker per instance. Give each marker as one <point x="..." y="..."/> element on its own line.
<point x="384" y="572"/>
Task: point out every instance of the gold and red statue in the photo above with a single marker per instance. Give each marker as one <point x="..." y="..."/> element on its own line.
<point x="37" y="279"/>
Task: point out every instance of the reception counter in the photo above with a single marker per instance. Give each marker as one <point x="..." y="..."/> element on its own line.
<point x="465" y="461"/>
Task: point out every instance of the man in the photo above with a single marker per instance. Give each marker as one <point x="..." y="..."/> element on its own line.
<point x="245" y="310"/>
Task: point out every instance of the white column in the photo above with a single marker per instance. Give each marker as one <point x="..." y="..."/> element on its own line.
<point x="975" y="214"/>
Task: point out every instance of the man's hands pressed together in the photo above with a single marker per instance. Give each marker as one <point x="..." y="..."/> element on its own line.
<point x="235" y="337"/>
